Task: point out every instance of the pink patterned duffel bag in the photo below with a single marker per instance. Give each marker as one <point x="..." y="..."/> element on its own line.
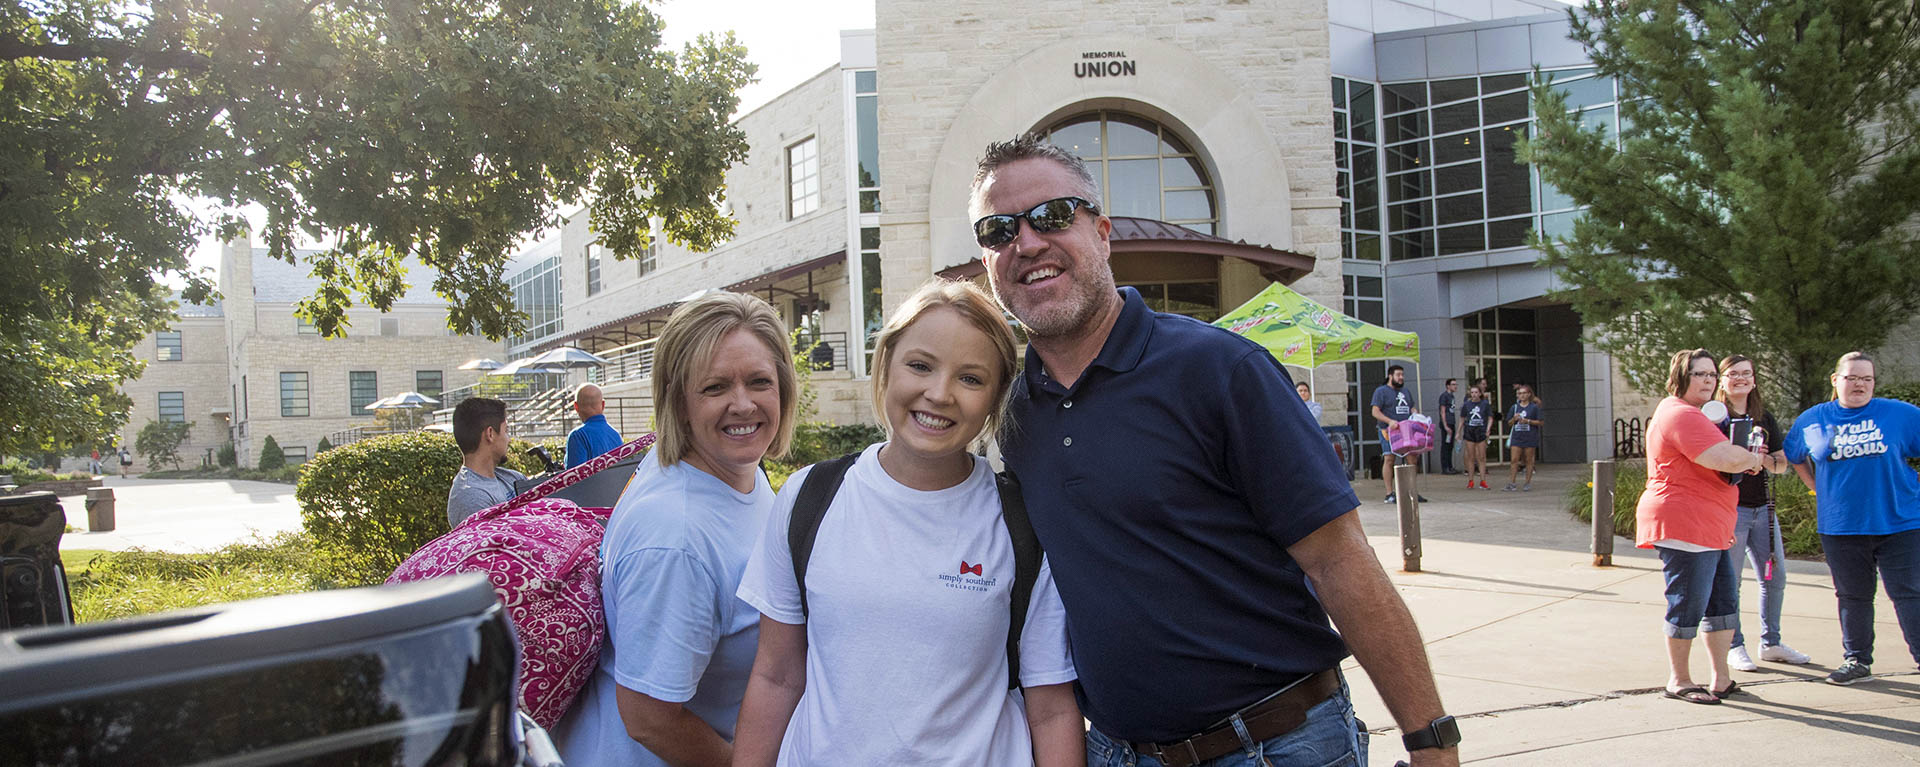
<point x="542" y="554"/>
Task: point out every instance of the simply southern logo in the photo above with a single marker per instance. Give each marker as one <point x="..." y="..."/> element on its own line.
<point x="970" y="578"/>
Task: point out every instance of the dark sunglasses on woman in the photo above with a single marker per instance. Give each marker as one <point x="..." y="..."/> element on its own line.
<point x="1050" y="216"/>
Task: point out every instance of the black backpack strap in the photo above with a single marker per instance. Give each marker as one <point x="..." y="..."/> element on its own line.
<point x="816" y="494"/>
<point x="1026" y="566"/>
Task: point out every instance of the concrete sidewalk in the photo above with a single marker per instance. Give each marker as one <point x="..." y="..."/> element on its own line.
<point x="184" y="514"/>
<point x="1548" y="660"/>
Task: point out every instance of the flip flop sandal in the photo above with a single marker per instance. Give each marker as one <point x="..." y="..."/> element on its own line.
<point x="1698" y="695"/>
<point x="1732" y="687"/>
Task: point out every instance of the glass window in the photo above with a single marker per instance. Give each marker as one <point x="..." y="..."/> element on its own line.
<point x="1407" y="156"/>
<point x="1457" y="117"/>
<point x="1458" y="209"/>
<point x="1451" y="149"/>
<point x="1409" y="215"/>
<point x="649" y="259"/>
<point x="1601" y="118"/>
<point x="1143" y="169"/>
<point x="1408" y="186"/>
<point x="167" y="346"/>
<point x="173" y="407"/>
<point x="536" y="292"/>
<point x="1199" y="300"/>
<point x="1404" y="127"/>
<point x="293" y="395"/>
<point x="1360" y="106"/>
<point x="302" y="326"/>
<point x="803" y="178"/>
<point x="1507" y="180"/>
<point x="1503" y="109"/>
<point x="1559" y="225"/>
<point x="362" y="389"/>
<point x="871" y="299"/>
<point x="1339" y="125"/>
<point x="1454" y="90"/>
<point x="1497" y="83"/>
<point x="865" y="82"/>
<point x="1366" y="247"/>
<point x="1510" y="233"/>
<point x="1461" y="239"/>
<point x="1366" y="206"/>
<point x="1400" y="97"/>
<point x="1592" y="91"/>
<point x="1368" y="287"/>
<point x="866" y="111"/>
<point x="295" y="455"/>
<point x="1456" y="178"/>
<point x="429" y="382"/>
<point x="593" y="268"/>
<point x="1366" y="163"/>
<point x="1405" y="246"/>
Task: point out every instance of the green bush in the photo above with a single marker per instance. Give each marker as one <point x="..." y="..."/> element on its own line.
<point x="271" y="457"/>
<point x="1791" y="502"/>
<point x="324" y="446"/>
<point x="226" y="456"/>
<point x="816" y="441"/>
<point x="137" y="582"/>
<point x="369" y="505"/>
<point x="24" y="473"/>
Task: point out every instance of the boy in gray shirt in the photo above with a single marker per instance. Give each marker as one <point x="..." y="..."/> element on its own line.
<point x="480" y="428"/>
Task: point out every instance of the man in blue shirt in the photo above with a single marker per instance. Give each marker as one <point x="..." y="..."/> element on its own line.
<point x="1185" y="500"/>
<point x="594" y="435"/>
<point x="1869" y="505"/>
<point x="1391" y="404"/>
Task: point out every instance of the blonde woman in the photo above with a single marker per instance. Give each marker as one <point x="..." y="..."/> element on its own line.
<point x="679" y="643"/>
<point x="889" y="657"/>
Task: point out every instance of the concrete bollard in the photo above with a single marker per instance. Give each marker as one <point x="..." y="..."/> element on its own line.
<point x="1603" y="513"/>
<point x="100" y="509"/>
<point x="1409" y="504"/>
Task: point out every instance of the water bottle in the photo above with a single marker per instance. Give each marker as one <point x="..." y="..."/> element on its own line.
<point x="1757" y="442"/>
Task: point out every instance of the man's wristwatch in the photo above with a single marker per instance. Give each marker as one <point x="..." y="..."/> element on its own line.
<point x="1439" y="733"/>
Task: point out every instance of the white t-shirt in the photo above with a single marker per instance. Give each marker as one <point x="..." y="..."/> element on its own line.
<point x="906" y="655"/>
<point x="670" y="564"/>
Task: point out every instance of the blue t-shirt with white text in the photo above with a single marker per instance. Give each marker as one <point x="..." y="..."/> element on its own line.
<point x="1394" y="402"/>
<point x="1863" y="483"/>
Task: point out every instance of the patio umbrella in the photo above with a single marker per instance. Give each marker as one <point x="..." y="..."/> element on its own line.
<point x="520" y="366"/>
<point x="481" y="364"/>
<point x="570" y="357"/>
<point x="406" y="400"/>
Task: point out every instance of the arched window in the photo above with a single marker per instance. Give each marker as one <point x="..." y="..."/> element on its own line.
<point x="1144" y="169"/>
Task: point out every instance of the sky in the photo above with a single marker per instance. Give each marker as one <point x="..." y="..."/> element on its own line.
<point x="789" y="41"/>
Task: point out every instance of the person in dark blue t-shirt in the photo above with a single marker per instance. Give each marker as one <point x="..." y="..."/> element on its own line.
<point x="1869" y="505"/>
<point x="1391" y="404"/>
<point x="594" y="435"/>
<point x="1184" y="500"/>
<point x="1523" y="436"/>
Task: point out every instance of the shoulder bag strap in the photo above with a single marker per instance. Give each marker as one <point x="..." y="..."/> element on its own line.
<point x="816" y="494"/>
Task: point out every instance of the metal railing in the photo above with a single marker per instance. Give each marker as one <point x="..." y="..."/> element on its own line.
<point x="826" y="351"/>
<point x="357" y="433"/>
<point x="625" y="363"/>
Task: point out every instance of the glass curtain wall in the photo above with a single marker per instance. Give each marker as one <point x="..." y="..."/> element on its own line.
<point x="1143" y="169"/>
<point x="536" y="291"/>
<point x="1502" y="347"/>
<point x="1364" y="299"/>
<point x="1356" y="158"/>
<point x="863" y="206"/>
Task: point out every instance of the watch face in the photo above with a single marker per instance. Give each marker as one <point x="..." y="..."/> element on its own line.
<point x="1447" y="730"/>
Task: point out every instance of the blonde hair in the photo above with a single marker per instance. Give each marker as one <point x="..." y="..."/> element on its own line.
<point x="686" y="348"/>
<point x="1840" y="367"/>
<point x="974" y="306"/>
<point x="1678" y="371"/>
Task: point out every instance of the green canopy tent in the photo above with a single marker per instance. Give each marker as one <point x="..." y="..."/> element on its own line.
<point x="1304" y="333"/>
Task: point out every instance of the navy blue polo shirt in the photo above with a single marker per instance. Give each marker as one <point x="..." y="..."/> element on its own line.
<point x="1166" y="484"/>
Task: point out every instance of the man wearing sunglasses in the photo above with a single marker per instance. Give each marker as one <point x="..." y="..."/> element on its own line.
<point x="1185" y="501"/>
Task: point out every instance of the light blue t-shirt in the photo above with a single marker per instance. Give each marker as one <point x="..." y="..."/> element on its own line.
<point x="670" y="566"/>
<point x="1863" y="483"/>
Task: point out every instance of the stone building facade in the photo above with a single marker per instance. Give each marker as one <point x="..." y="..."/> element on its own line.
<point x="185" y="380"/>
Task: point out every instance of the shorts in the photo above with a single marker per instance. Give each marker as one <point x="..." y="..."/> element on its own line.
<point x="1474" y="434"/>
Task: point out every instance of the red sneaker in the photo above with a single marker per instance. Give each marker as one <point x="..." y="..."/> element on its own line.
<point x="1469" y="484"/>
<point x="1483" y="485"/>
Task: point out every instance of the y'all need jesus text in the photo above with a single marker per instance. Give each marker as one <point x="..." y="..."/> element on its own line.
<point x="1853" y="440"/>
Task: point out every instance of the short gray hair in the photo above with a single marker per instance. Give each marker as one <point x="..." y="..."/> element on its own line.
<point x="1032" y="146"/>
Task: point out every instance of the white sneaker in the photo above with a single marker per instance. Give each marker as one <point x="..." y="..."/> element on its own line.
<point x="1779" y="653"/>
<point x="1740" y="661"/>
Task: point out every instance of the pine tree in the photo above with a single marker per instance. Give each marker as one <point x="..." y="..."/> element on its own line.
<point x="1761" y="195"/>
<point x="271" y="457"/>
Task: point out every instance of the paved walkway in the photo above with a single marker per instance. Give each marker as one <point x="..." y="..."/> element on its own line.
<point x="184" y="514"/>
<point x="1549" y="660"/>
<point x="1545" y="658"/>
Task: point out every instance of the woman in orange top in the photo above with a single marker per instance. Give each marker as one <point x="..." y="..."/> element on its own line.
<point x="1687" y="514"/>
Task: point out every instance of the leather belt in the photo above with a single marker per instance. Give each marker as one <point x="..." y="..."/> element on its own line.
<point x="1268" y="719"/>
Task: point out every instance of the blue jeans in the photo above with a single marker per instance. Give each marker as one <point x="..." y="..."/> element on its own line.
<point x="1330" y="737"/>
<point x="1702" y="591"/>
<point x="1852" y="559"/>
<point x="1756" y="536"/>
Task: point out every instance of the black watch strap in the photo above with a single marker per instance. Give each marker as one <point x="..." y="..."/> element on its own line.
<point x="1439" y="733"/>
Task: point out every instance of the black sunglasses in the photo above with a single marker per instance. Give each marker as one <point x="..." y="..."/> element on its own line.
<point x="1050" y="216"/>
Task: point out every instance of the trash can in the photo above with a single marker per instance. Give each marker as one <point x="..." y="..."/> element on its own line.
<point x="33" y="585"/>
<point x="100" y="509"/>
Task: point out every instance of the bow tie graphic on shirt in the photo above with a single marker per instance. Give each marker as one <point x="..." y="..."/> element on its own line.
<point x="967" y="568"/>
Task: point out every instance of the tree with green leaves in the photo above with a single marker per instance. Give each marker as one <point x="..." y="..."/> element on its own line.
<point x="1761" y="195"/>
<point x="159" y="441"/>
<point x="272" y="458"/>
<point x="435" y="132"/>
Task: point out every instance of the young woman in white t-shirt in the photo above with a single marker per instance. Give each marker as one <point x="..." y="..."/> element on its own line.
<point x="900" y="655"/>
